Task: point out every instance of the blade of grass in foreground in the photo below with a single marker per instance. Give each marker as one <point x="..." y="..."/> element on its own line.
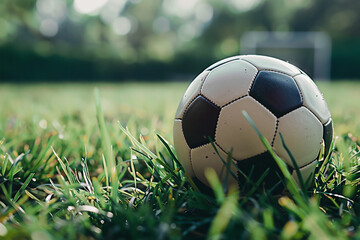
<point x="137" y="143"/>
<point x="26" y="183"/>
<point x="64" y="168"/>
<point x="291" y="184"/>
<point x="164" y="170"/>
<point x="297" y="170"/>
<point x="107" y="148"/>
<point x="150" y="156"/>
<point x="229" y="205"/>
<point x="105" y="138"/>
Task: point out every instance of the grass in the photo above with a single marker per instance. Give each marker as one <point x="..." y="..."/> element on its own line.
<point x="75" y="164"/>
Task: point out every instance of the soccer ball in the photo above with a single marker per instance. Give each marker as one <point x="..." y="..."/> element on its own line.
<point x="278" y="97"/>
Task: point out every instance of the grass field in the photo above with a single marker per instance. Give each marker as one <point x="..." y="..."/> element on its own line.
<point x="68" y="169"/>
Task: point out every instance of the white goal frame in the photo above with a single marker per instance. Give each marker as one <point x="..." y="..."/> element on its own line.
<point x="319" y="42"/>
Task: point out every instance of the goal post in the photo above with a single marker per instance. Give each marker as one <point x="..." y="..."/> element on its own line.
<point x="310" y="51"/>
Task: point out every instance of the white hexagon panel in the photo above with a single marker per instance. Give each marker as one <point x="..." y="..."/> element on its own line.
<point x="303" y="133"/>
<point x="228" y="82"/>
<point x="270" y="63"/>
<point x="235" y="132"/>
<point x="312" y="97"/>
<point x="206" y="157"/>
<point x="221" y="62"/>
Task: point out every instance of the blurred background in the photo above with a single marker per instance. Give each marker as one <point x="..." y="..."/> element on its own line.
<point x="118" y="40"/>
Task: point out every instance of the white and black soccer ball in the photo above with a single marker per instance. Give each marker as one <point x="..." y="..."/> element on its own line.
<point x="279" y="98"/>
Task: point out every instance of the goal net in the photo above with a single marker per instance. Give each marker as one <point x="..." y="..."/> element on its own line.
<point x="310" y="51"/>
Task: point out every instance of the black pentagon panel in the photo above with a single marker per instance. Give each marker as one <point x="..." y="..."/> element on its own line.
<point x="276" y="91"/>
<point x="226" y="60"/>
<point x="256" y="166"/>
<point x="328" y="136"/>
<point x="199" y="122"/>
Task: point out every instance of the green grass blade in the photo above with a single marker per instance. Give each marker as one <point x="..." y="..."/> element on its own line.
<point x="327" y="158"/>
<point x="106" y="172"/>
<point x="63" y="166"/>
<point x="14" y="169"/>
<point x="226" y="162"/>
<point x="39" y="160"/>
<point x="169" y="149"/>
<point x="24" y="185"/>
<point x="215" y="184"/>
<point x="5" y="163"/>
<point x="105" y="138"/>
<point x="297" y="170"/>
<point x="227" y="210"/>
<point x="153" y="157"/>
<point x="291" y="184"/>
<point x="137" y="143"/>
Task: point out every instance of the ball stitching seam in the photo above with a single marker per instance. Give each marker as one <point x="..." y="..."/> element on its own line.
<point x="276" y="130"/>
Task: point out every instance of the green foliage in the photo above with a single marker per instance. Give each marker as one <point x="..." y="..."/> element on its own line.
<point x="78" y="166"/>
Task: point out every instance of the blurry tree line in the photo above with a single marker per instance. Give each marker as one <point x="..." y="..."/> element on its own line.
<point x="157" y="39"/>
